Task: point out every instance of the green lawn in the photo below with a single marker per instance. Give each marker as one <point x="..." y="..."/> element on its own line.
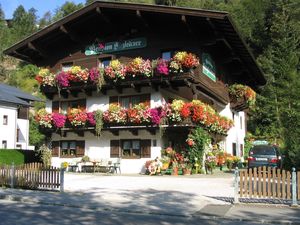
<point x="9" y="156"/>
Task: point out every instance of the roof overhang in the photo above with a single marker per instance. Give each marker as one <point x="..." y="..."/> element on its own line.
<point x="223" y="28"/>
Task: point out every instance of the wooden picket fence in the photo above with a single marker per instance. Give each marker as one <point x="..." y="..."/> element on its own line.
<point x="267" y="182"/>
<point x="30" y="176"/>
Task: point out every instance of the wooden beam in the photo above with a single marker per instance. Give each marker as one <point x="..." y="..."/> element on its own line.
<point x="103" y="91"/>
<point x="167" y="82"/>
<point x="114" y="132"/>
<point x="134" y="132"/>
<point x="98" y="10"/>
<point x="229" y="59"/>
<point x="188" y="83"/>
<point x="185" y="22"/>
<point x="213" y="27"/>
<point x="72" y="36"/>
<point x="137" y="88"/>
<point x="88" y="92"/>
<point x="74" y="93"/>
<point x="37" y="49"/>
<point x="80" y="133"/>
<point x="24" y="57"/>
<point x="64" y="93"/>
<point x="119" y="89"/>
<point x="139" y="15"/>
<point x="152" y="131"/>
<point x="226" y="43"/>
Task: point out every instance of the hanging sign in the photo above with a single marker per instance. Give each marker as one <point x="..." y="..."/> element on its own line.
<point x="116" y="46"/>
<point x="208" y="66"/>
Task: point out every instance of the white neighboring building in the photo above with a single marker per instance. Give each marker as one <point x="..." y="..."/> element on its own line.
<point x="14" y="118"/>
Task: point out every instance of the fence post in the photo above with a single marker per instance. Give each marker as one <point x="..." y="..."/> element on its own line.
<point x="294" y="187"/>
<point x="12" y="175"/>
<point x="236" y="185"/>
<point x="62" y="179"/>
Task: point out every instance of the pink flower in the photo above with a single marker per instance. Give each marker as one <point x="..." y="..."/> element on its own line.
<point x="162" y="67"/>
<point x="59" y="120"/>
<point x="62" y="79"/>
<point x="94" y="74"/>
<point x="91" y="118"/>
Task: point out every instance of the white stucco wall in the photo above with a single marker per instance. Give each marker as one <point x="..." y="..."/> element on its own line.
<point x="98" y="149"/>
<point x="237" y="133"/>
<point x="23" y="126"/>
<point x="8" y="132"/>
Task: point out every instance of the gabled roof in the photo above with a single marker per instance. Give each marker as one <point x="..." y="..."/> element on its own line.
<point x="38" y="45"/>
<point x="13" y="95"/>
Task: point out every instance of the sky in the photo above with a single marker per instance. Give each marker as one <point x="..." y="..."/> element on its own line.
<point x="42" y="6"/>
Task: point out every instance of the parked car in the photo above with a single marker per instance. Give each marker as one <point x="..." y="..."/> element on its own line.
<point x="264" y="155"/>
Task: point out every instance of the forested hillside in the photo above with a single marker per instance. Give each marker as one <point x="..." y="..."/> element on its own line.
<point x="270" y="27"/>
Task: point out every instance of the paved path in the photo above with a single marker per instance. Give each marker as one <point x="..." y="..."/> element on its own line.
<point x="166" y="194"/>
<point x="196" y="196"/>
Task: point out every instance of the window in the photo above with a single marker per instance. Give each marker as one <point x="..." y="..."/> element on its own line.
<point x="241" y="122"/>
<point x="130" y="101"/>
<point x="241" y="150"/>
<point x="68" y="148"/>
<point x="234" y="149"/>
<point x="4" y="144"/>
<point x="18" y="135"/>
<point x="131" y="149"/>
<point x="18" y="146"/>
<point x="64" y="106"/>
<point x="102" y="63"/>
<point x="23" y="113"/>
<point x="66" y="66"/>
<point x="5" y="120"/>
<point x="166" y="55"/>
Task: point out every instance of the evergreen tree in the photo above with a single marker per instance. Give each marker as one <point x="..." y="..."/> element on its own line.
<point x="45" y="20"/>
<point x="66" y="9"/>
<point x="23" y="23"/>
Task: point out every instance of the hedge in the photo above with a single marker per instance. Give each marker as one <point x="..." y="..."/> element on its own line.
<point x="18" y="157"/>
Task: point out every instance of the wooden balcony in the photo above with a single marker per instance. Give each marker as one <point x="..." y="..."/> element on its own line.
<point x="239" y="104"/>
<point x="193" y="79"/>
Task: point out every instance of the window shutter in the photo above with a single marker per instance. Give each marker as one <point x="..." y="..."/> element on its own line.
<point x="145" y="99"/>
<point x="55" y="148"/>
<point x="113" y="100"/>
<point x="55" y="106"/>
<point x="80" y="148"/>
<point x="114" y="148"/>
<point x="146" y="148"/>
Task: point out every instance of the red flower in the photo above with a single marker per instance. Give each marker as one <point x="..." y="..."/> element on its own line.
<point x="186" y="110"/>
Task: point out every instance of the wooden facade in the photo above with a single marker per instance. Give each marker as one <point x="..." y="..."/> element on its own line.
<point x="165" y="29"/>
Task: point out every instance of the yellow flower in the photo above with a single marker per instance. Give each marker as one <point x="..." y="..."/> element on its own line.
<point x="177" y="105"/>
<point x="180" y="56"/>
<point x="137" y="61"/>
<point x="44" y="72"/>
<point x="115" y="64"/>
<point x="75" y="69"/>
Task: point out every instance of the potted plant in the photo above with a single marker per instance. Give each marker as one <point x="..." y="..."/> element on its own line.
<point x="229" y="162"/>
<point x="175" y="168"/>
<point x="187" y="169"/>
<point x="210" y="163"/>
<point x="77" y="117"/>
